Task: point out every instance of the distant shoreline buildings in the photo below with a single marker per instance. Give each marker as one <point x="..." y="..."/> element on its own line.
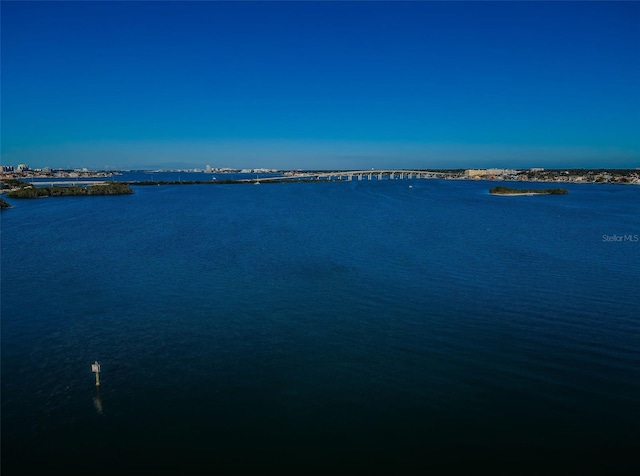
<point x="535" y="174"/>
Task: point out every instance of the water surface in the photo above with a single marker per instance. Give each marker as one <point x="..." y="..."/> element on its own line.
<point x="349" y="327"/>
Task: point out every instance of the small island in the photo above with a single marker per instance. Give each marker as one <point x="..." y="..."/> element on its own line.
<point x="515" y="191"/>
<point x="107" y="188"/>
<point x="4" y="204"/>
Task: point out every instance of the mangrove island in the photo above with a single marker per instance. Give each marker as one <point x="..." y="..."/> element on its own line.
<point x="24" y="190"/>
<point x="516" y="191"/>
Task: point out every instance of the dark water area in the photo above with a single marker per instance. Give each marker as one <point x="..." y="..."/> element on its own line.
<point x="345" y="328"/>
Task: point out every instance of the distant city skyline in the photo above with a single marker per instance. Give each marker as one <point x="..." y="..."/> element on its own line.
<point x="320" y="85"/>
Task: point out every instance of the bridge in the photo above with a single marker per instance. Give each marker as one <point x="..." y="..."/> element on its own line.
<point x="348" y="175"/>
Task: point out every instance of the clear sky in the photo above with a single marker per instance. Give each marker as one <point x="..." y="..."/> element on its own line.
<point x="320" y="85"/>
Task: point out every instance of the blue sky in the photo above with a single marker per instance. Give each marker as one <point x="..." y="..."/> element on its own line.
<point x="320" y="85"/>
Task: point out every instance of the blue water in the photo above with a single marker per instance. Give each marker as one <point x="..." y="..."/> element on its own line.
<point x="352" y="327"/>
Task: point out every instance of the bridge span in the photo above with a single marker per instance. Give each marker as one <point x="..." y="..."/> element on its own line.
<point x="348" y="175"/>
